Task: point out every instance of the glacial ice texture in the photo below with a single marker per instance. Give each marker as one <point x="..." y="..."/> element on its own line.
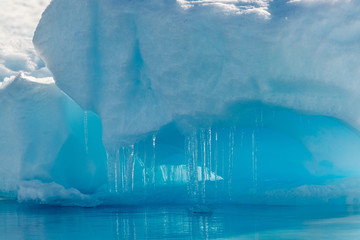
<point x="43" y="138"/>
<point x="189" y="101"/>
<point x="141" y="64"/>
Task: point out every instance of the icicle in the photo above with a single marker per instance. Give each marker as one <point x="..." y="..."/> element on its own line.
<point x="111" y="155"/>
<point x="223" y="155"/>
<point x="195" y="164"/>
<point x="242" y="138"/>
<point x="123" y="170"/>
<point x="203" y="175"/>
<point x="109" y="171"/>
<point x="254" y="160"/>
<point x="231" y="159"/>
<point x="210" y="157"/>
<point x="153" y="167"/>
<point x="132" y="167"/>
<point x="256" y="166"/>
<point x="216" y="159"/>
<point x="86" y="132"/>
<point x="193" y="171"/>
<point x="116" y="177"/>
<point x="189" y="165"/>
<point x="172" y="173"/>
<point x="144" y="170"/>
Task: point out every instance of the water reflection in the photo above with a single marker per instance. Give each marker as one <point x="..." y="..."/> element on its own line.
<point x="233" y="222"/>
<point x="164" y="223"/>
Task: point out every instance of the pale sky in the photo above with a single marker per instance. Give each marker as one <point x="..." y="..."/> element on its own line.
<point x="18" y="21"/>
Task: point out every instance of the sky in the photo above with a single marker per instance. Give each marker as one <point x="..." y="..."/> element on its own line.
<point x="18" y="21"/>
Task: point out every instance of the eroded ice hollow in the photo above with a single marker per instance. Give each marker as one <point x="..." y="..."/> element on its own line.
<point x="246" y="102"/>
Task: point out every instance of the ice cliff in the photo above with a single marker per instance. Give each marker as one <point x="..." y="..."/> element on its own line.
<point x="141" y="64"/>
<point x="241" y="101"/>
<point x="42" y="138"/>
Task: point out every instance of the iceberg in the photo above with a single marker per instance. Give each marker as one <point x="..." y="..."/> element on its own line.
<point x="42" y="138"/>
<point x="188" y="102"/>
<point x="141" y="65"/>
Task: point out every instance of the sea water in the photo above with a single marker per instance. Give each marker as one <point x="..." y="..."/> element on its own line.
<point x="21" y="221"/>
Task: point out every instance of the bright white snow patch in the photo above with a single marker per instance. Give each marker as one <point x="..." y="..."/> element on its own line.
<point x="259" y="7"/>
<point x="44" y="80"/>
<point x="6" y="82"/>
<point x="319" y="1"/>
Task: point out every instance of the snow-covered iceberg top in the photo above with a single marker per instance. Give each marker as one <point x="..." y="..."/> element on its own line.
<point x="142" y="64"/>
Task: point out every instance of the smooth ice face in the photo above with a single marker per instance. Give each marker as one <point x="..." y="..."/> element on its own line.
<point x="42" y="137"/>
<point x="142" y="64"/>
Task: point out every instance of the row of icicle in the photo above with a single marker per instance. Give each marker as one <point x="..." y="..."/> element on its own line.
<point x="206" y="160"/>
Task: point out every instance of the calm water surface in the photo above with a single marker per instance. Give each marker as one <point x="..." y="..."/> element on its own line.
<point x="18" y="221"/>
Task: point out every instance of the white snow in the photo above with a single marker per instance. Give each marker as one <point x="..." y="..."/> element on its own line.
<point x="18" y="20"/>
<point x="141" y="65"/>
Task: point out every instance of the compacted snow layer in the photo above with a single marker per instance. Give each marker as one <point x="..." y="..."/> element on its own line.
<point x="141" y="64"/>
